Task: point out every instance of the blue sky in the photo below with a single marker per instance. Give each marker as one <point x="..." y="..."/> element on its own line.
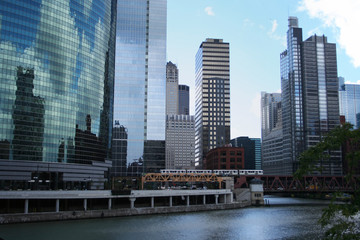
<point x="256" y="31"/>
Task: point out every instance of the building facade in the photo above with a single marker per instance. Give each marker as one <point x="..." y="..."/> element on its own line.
<point x="140" y="81"/>
<point x="349" y="100"/>
<point x="180" y="131"/>
<point x="212" y="97"/>
<point x="252" y="151"/>
<point x="119" y="149"/>
<point x="225" y="158"/>
<point x="57" y="73"/>
<point x="271" y="133"/>
<point x="172" y="88"/>
<point x="291" y="94"/>
<point x="310" y="104"/>
<point x="180" y="142"/>
<point x="184" y="96"/>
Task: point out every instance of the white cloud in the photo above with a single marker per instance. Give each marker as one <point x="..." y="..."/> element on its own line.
<point x="272" y="33"/>
<point x="209" y="11"/>
<point x="248" y="23"/>
<point x="274" y="26"/>
<point x="344" y="17"/>
<point x="316" y="31"/>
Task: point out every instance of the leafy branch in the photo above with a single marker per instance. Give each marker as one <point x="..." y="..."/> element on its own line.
<point x="342" y="221"/>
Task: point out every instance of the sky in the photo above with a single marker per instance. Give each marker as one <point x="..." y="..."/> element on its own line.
<point x="256" y="31"/>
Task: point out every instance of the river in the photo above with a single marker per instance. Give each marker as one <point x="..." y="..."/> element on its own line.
<point x="278" y="221"/>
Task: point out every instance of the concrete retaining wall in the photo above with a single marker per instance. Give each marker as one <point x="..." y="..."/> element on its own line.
<point x="74" y="215"/>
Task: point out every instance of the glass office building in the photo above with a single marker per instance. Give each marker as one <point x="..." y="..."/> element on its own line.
<point x="291" y="94"/>
<point x="56" y="92"/>
<point x="271" y="133"/>
<point x="310" y="103"/>
<point x="349" y="100"/>
<point x="184" y="108"/>
<point x="140" y="82"/>
<point x="252" y="151"/>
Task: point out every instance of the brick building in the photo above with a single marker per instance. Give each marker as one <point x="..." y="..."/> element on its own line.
<point x="225" y="158"/>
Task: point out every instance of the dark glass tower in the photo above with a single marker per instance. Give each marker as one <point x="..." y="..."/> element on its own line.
<point x="310" y="104"/>
<point x="184" y="100"/>
<point x="212" y="97"/>
<point x="252" y="151"/>
<point x="56" y="92"/>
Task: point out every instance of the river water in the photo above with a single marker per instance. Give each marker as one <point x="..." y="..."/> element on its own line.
<point x="278" y="221"/>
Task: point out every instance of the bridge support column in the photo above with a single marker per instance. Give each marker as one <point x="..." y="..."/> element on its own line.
<point x="170" y="201"/>
<point x="26" y="206"/>
<point x="216" y="199"/>
<point x="188" y="200"/>
<point x="230" y="198"/>
<point x="57" y="205"/>
<point x="85" y="204"/>
<point x="109" y="203"/>
<point x="204" y="199"/>
<point x="132" y="202"/>
<point x="152" y="202"/>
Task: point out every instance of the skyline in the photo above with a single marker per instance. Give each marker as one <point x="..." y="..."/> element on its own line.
<point x="257" y="37"/>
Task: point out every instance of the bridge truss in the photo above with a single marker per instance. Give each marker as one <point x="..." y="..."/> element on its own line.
<point x="305" y="184"/>
<point x="181" y="177"/>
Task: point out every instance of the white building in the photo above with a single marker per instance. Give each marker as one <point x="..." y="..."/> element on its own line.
<point x="180" y="142"/>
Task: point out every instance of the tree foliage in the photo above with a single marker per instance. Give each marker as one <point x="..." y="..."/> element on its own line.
<point x="341" y="221"/>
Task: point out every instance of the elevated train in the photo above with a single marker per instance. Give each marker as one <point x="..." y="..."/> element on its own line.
<point x="222" y="172"/>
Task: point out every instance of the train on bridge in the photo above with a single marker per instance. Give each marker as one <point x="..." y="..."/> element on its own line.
<point x="220" y="172"/>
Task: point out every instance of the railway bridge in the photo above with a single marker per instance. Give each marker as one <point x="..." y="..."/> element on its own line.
<point x="283" y="183"/>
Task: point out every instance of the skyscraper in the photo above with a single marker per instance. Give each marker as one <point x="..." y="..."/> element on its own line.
<point x="252" y="151"/>
<point x="180" y="136"/>
<point x="310" y="105"/>
<point x="271" y="117"/>
<point x="180" y="142"/>
<point x="349" y="99"/>
<point x="184" y="100"/>
<point x="140" y="80"/>
<point x="172" y="88"/>
<point x="212" y="97"/>
<point x="271" y="133"/>
<point x="57" y="72"/>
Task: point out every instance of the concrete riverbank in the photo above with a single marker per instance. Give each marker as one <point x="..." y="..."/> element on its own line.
<point x="34" y="206"/>
<point x="75" y="215"/>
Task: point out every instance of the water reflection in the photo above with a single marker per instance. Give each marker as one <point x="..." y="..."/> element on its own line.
<point x="277" y="222"/>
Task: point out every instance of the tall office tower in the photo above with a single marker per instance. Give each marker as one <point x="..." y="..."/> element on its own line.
<point x="252" y="151"/>
<point x="270" y="112"/>
<point x="212" y="97"/>
<point x="184" y="100"/>
<point x="310" y="106"/>
<point x="172" y="88"/>
<point x="180" y="133"/>
<point x="180" y="142"/>
<point x="349" y="100"/>
<point x="140" y="81"/>
<point x="291" y="88"/>
<point x="271" y="133"/>
<point x="57" y="73"/>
